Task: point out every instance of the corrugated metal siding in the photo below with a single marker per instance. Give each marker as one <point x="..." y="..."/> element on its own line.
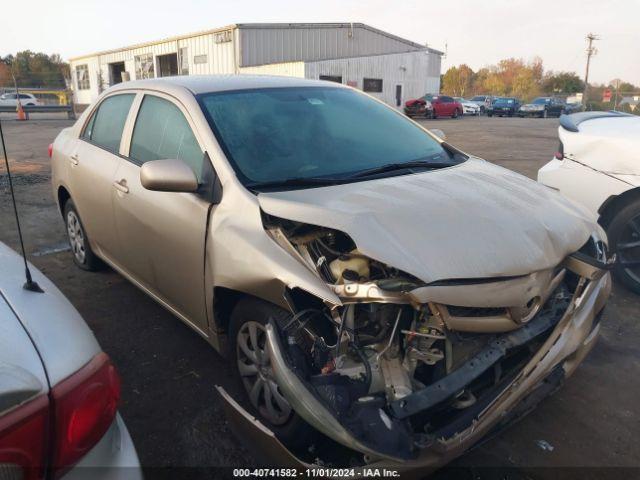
<point x="220" y="60"/>
<point x="266" y="45"/>
<point x="289" y="69"/>
<point x="411" y="70"/>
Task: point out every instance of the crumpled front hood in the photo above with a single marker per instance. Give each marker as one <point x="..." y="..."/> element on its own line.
<point x="474" y="220"/>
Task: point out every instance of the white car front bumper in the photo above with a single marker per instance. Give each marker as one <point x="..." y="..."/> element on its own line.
<point x="585" y="186"/>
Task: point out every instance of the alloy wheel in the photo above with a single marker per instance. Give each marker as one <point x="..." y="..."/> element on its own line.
<point x="76" y="236"/>
<point x="628" y="249"/>
<point x="255" y="370"/>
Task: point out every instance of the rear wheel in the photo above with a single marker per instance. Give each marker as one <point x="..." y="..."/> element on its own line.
<point x="253" y="368"/>
<point x="624" y="239"/>
<point x="545" y="114"/>
<point x="83" y="256"/>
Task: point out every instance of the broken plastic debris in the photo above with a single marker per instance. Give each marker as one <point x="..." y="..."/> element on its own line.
<point x="544" y="445"/>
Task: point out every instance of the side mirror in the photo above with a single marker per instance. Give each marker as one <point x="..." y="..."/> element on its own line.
<point x="168" y="176"/>
<point x="438" y="133"/>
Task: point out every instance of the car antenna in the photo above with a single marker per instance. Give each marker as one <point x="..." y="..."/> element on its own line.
<point x="30" y="284"/>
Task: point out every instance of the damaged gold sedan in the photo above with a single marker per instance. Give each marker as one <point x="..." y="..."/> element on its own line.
<point x="385" y="298"/>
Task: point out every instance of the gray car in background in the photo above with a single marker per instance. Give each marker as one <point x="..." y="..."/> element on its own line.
<point x="58" y="390"/>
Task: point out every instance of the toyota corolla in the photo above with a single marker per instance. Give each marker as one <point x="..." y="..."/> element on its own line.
<point x="375" y="288"/>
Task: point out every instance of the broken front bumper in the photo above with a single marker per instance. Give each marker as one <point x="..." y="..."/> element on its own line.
<point x="568" y="343"/>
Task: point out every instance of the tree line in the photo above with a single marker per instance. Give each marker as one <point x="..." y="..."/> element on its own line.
<point x="514" y="77"/>
<point x="34" y="69"/>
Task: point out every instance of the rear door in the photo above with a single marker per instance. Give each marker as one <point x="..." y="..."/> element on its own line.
<point x="94" y="160"/>
<point x="162" y="235"/>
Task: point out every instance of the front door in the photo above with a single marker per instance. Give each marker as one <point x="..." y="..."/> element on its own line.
<point x="398" y="95"/>
<point x="93" y="165"/>
<point x="162" y="234"/>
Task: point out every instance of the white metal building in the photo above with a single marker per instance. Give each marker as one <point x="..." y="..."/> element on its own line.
<point x="384" y="65"/>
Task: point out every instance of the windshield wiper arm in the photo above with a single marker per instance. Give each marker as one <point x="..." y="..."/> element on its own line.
<point x="294" y="182"/>
<point x="390" y="167"/>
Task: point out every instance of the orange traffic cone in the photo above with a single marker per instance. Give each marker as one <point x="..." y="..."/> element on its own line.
<point x="21" y="114"/>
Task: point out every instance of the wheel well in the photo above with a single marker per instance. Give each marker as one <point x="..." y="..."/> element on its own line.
<point x="224" y="301"/>
<point x="63" y="196"/>
<point x="614" y="204"/>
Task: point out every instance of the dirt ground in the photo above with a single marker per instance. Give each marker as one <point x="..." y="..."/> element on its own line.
<point x="168" y="372"/>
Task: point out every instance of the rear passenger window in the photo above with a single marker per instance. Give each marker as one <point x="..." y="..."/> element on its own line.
<point x="107" y="123"/>
<point x="162" y="132"/>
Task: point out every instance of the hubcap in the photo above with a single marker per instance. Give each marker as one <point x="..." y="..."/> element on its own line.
<point x="255" y="369"/>
<point x="76" y="236"/>
<point x="628" y="249"/>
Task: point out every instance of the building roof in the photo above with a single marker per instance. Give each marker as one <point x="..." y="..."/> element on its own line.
<point x="262" y="25"/>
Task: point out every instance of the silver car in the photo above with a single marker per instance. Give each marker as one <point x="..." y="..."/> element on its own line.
<point x="367" y="280"/>
<point x="58" y="390"/>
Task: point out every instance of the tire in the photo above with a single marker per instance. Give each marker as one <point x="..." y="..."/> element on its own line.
<point x="434" y="115"/>
<point x="621" y="231"/>
<point x="455" y="113"/>
<point x="545" y="114"/>
<point x="489" y="114"/>
<point x="252" y="313"/>
<point x="83" y="256"/>
<point x="482" y="110"/>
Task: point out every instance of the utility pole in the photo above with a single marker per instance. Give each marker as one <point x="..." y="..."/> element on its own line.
<point x="591" y="50"/>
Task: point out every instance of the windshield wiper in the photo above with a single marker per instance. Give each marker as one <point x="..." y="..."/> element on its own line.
<point x="390" y="167"/>
<point x="294" y="182"/>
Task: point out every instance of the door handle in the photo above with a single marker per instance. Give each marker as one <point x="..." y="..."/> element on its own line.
<point x="74" y="159"/>
<point x="121" y="186"/>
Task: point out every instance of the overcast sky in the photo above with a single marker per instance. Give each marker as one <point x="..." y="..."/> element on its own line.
<point x="475" y="32"/>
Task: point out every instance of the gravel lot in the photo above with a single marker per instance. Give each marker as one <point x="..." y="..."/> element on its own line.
<point x="169" y="372"/>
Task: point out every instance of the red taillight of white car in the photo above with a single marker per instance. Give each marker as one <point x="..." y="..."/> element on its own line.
<point x="50" y="150"/>
<point x="24" y="436"/>
<point x="83" y="408"/>
<point x="54" y="432"/>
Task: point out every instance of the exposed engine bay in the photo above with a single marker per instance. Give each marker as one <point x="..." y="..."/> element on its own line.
<point x="395" y="369"/>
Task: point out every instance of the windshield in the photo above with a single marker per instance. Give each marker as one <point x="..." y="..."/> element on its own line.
<point x="278" y="134"/>
<point x="478" y="99"/>
<point x="541" y="101"/>
<point x="504" y="101"/>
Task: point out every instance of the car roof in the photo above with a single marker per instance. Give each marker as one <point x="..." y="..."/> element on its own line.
<point x="198" y="84"/>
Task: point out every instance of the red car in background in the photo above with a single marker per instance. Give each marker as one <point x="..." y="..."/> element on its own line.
<point x="433" y="106"/>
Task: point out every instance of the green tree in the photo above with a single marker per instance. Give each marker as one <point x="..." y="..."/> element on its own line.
<point x="562" y="82"/>
<point x="35" y="69"/>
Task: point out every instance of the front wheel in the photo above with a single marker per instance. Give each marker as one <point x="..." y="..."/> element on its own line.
<point x="83" y="255"/>
<point x="455" y="113"/>
<point x="489" y="114"/>
<point x="254" y="371"/>
<point x="624" y="240"/>
<point x="545" y="114"/>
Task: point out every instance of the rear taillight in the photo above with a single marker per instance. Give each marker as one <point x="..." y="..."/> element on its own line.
<point x="50" y="150"/>
<point x="23" y="440"/>
<point x="560" y="153"/>
<point x="83" y="406"/>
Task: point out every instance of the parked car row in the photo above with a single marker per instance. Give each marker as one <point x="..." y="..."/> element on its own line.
<point x="433" y="106"/>
<point x="382" y="321"/>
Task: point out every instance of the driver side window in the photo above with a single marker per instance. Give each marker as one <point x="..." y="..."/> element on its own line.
<point x="162" y="132"/>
